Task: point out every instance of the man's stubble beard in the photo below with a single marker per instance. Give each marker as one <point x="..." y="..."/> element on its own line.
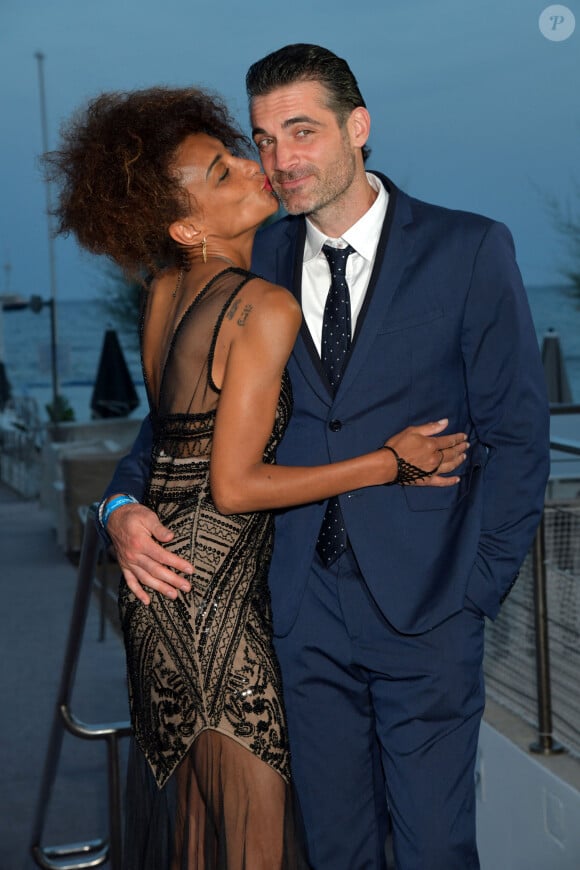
<point x="327" y="190"/>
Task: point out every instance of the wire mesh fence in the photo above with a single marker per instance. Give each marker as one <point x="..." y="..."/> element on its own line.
<point x="510" y="660"/>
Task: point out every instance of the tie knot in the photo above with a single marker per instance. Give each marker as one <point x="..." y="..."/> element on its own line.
<point x="337" y="257"/>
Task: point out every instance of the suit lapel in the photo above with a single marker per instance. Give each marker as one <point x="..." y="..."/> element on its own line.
<point x="392" y="258"/>
<point x="289" y="273"/>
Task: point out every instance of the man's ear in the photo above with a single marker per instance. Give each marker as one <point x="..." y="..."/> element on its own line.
<point x="359" y="126"/>
<point x="184" y="232"/>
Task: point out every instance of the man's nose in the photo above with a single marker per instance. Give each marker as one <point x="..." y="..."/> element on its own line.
<point x="285" y="157"/>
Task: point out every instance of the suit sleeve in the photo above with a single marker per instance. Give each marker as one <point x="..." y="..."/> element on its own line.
<point x="132" y="472"/>
<point x="509" y="408"/>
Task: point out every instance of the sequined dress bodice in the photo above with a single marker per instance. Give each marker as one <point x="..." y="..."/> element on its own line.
<point x="205" y="660"/>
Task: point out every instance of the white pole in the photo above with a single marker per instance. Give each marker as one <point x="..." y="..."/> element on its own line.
<point x="51" y="257"/>
<point x="2" y="346"/>
<point x="7" y="270"/>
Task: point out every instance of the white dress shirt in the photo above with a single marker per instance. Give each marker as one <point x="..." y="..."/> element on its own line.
<point x="363" y="237"/>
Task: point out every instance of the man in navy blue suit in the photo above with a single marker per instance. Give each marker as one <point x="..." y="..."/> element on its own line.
<point x="381" y="647"/>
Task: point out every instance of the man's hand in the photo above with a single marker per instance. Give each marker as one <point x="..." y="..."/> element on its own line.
<point x="135" y="531"/>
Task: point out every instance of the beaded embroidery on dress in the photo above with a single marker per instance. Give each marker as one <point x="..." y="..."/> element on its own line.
<point x="204" y="685"/>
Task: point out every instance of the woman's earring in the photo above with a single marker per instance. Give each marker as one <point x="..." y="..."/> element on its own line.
<point x="204" y="250"/>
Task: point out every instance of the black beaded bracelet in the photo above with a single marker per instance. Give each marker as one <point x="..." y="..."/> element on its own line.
<point x="407" y="473"/>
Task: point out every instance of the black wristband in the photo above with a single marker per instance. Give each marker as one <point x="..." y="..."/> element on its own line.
<point x="407" y="473"/>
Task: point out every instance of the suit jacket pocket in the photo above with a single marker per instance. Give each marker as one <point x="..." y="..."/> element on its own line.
<point x="438" y="498"/>
<point x="409" y="320"/>
<point x="433" y="498"/>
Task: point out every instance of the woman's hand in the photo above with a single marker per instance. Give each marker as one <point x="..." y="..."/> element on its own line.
<point x="428" y="451"/>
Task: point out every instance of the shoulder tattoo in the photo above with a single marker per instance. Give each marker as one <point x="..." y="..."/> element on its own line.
<point x="245" y="314"/>
<point x="232" y="309"/>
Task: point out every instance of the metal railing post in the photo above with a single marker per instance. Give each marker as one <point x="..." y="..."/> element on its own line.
<point x="91" y="853"/>
<point x="545" y="743"/>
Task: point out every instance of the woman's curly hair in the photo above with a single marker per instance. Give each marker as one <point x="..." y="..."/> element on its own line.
<point x="117" y="191"/>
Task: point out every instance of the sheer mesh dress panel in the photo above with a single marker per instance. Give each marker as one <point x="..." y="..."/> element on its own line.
<point x="209" y="781"/>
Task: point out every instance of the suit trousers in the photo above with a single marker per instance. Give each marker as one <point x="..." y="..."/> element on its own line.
<point x="382" y="725"/>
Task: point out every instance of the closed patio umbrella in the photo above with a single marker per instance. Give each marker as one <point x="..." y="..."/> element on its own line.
<point x="557" y="382"/>
<point x="114" y="393"/>
<point x="5" y="390"/>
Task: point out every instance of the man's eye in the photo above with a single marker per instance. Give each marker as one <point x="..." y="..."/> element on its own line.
<point x="303" y="133"/>
<point x="225" y="174"/>
<point x="263" y="144"/>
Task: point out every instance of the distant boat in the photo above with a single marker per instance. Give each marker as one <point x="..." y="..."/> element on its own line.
<point x="13" y="302"/>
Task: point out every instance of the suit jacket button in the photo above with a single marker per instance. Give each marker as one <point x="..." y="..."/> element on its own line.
<point x="335" y="425"/>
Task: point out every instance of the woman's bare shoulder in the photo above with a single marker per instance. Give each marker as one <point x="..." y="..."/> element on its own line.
<point x="264" y="314"/>
<point x="272" y="299"/>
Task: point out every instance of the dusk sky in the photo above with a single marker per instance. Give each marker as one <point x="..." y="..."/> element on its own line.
<point x="472" y="106"/>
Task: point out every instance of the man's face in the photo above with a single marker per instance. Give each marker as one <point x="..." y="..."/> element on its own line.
<point x="310" y="159"/>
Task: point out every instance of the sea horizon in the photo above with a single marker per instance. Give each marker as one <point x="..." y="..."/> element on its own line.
<point x="81" y="325"/>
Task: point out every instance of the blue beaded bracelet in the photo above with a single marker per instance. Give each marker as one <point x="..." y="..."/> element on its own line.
<point x="108" y="507"/>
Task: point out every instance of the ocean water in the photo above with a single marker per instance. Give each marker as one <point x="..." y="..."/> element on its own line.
<point x="80" y="330"/>
<point x="81" y="326"/>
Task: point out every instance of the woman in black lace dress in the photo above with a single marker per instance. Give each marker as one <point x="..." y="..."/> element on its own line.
<point x="157" y="181"/>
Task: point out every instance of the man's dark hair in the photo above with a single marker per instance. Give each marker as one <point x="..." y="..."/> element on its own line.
<point x="302" y="62"/>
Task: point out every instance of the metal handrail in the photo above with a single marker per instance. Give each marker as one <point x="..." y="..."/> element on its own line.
<point x="545" y="744"/>
<point x="91" y="853"/>
<point x="559" y="408"/>
<point x="565" y="445"/>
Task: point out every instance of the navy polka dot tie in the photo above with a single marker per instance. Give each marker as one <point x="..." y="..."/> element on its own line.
<point x="336" y="321"/>
<point x="336" y="329"/>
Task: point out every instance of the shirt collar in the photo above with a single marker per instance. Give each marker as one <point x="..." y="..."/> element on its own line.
<point x="363" y="236"/>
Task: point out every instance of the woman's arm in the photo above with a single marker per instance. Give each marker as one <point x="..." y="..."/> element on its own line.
<point x="254" y="350"/>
